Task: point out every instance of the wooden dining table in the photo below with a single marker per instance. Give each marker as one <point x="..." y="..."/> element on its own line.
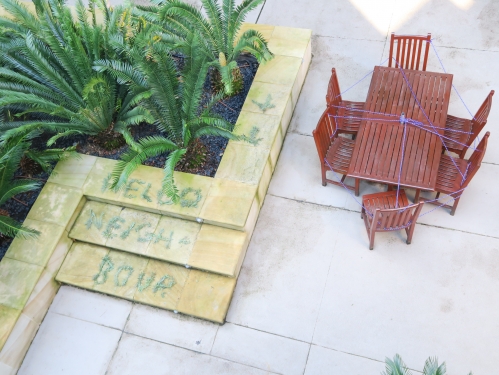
<point x="391" y="151"/>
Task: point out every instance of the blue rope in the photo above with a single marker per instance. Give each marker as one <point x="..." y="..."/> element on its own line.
<point x="400" y="169"/>
<point x="424" y="113"/>
<point x="355" y="84"/>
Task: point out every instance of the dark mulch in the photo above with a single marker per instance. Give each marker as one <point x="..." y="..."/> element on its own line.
<point x="228" y="108"/>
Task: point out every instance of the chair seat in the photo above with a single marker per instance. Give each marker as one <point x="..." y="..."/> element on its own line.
<point x="384" y="201"/>
<point x="350" y="109"/>
<point x="339" y="154"/>
<point x="457" y="129"/>
<point x="449" y="178"/>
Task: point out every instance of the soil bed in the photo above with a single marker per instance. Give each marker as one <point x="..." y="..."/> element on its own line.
<point x="212" y="147"/>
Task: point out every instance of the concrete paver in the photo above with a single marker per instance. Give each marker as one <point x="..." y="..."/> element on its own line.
<point x="257" y="348"/>
<point x="91" y="307"/>
<point x="323" y="361"/>
<point x="137" y="355"/>
<point x="65" y="345"/>
<point x="176" y="329"/>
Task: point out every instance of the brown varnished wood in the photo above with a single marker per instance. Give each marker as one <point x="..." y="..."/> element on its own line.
<point x="458" y="142"/>
<point x="378" y="151"/>
<point x="389" y="211"/>
<point x="335" y="151"/>
<point x="411" y="52"/>
<point x="455" y="174"/>
<point x="344" y="108"/>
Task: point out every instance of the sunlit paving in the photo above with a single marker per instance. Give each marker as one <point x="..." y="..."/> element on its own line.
<point x="249" y="187"/>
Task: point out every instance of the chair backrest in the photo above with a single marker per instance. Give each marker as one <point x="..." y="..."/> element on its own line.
<point x="411" y="49"/>
<point x="475" y="161"/>
<point x="397" y="218"/>
<point x="480" y="119"/>
<point x="333" y="96"/>
<point x="325" y="132"/>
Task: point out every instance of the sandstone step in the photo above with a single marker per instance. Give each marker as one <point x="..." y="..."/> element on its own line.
<point x="202" y="246"/>
<point x="157" y="283"/>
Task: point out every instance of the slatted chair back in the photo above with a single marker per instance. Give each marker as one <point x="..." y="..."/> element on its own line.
<point x="325" y="132"/>
<point x="480" y="119"/>
<point x="411" y="51"/>
<point x="396" y="218"/>
<point x="333" y="96"/>
<point x="475" y="161"/>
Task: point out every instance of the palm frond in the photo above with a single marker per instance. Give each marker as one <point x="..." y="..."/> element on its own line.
<point x="17" y="187"/>
<point x="168" y="184"/>
<point x="11" y="228"/>
<point x="431" y="367"/>
<point x="396" y="366"/>
<point x="146" y="148"/>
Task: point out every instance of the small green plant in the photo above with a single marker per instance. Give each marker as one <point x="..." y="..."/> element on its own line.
<point x="47" y="79"/>
<point x="11" y="153"/>
<point x="10" y="156"/>
<point x="398" y="367"/>
<point x="219" y="31"/>
<point x="173" y="97"/>
<point x="267" y="104"/>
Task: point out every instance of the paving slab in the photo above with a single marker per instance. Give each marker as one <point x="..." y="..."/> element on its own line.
<point x="137" y="355"/>
<point x="258" y="349"/>
<point x="353" y="59"/>
<point x="91" y="307"/>
<point x="281" y="283"/>
<point x="461" y="16"/>
<point x="356" y="19"/>
<point x="323" y="361"/>
<point x="428" y="298"/>
<point x="298" y="174"/>
<point x="170" y="328"/>
<point x="65" y="345"/>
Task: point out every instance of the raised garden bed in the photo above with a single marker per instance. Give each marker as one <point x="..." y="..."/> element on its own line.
<point x="223" y="206"/>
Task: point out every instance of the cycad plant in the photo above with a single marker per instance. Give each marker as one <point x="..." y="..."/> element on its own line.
<point x="173" y="98"/>
<point x="10" y="156"/>
<point x="398" y="367"/>
<point x="218" y="30"/>
<point x="47" y="79"/>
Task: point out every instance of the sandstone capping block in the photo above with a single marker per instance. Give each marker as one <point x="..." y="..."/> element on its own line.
<point x="203" y="246"/>
<point x="149" y="281"/>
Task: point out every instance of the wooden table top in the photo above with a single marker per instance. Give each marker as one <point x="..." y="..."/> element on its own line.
<point x="377" y="155"/>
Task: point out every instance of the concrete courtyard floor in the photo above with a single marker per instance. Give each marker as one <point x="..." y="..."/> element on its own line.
<point x="311" y="297"/>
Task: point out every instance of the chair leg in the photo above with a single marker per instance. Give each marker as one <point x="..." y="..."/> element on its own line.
<point x="438" y="195"/>
<point x="357" y="187"/>
<point x="454" y="206"/>
<point x="416" y="197"/>
<point x="371" y="240"/>
<point x="323" y="170"/>
<point x="362" y="212"/>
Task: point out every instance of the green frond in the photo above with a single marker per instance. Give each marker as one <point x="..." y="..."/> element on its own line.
<point x="146" y="148"/>
<point x="396" y="366"/>
<point x="11" y="228"/>
<point x="168" y="184"/>
<point x="238" y="16"/>
<point x="16" y="187"/>
<point x="431" y="367"/>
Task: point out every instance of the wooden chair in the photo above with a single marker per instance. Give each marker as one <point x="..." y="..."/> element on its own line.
<point x="336" y="150"/>
<point x="450" y="181"/>
<point x="456" y="128"/>
<point x="344" y="108"/>
<point x="387" y="215"/>
<point x="410" y="50"/>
